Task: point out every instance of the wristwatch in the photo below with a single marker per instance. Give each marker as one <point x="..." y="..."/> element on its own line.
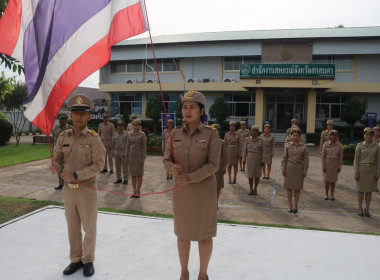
<point x="75" y="175"/>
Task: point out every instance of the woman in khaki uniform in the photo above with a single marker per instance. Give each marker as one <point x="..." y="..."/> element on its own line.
<point x="268" y="150"/>
<point x="294" y="164"/>
<point x="332" y="158"/>
<point x="252" y="154"/>
<point x="222" y="165"/>
<point x="232" y="142"/>
<point x="367" y="170"/>
<point x="325" y="135"/>
<point x="243" y="133"/>
<point x="197" y="151"/>
<point x="135" y="155"/>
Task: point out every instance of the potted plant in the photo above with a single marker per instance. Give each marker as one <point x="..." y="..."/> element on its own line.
<point x="349" y="151"/>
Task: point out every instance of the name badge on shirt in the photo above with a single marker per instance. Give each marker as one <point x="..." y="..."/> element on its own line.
<point x="66" y="145"/>
<point x="177" y="140"/>
<point x="200" y="141"/>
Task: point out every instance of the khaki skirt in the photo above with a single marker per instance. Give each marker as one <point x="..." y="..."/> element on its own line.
<point x="293" y="176"/>
<point x="367" y="178"/>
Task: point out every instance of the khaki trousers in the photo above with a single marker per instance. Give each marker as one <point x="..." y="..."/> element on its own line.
<point x="120" y="164"/>
<point x="81" y="212"/>
<point x="107" y="143"/>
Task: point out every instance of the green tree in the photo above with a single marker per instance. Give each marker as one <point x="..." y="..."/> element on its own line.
<point x="153" y="111"/>
<point x="8" y="61"/>
<point x="13" y="104"/>
<point x="6" y="86"/>
<point x="352" y="112"/>
<point x="219" y="110"/>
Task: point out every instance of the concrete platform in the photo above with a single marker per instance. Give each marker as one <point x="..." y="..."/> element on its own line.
<point x="35" y="246"/>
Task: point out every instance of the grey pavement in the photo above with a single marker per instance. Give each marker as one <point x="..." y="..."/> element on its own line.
<point x="33" y="180"/>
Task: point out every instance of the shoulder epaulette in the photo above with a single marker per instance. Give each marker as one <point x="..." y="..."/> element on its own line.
<point x="209" y="127"/>
<point x="360" y="143"/>
<point x="93" y="132"/>
<point x="222" y="139"/>
<point x="247" y="137"/>
<point x="129" y="131"/>
<point x="62" y="133"/>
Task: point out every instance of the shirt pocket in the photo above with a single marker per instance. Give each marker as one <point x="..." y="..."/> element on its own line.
<point x="84" y="156"/>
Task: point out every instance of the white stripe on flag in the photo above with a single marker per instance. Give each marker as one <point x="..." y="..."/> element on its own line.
<point x="86" y="36"/>
<point x="28" y="10"/>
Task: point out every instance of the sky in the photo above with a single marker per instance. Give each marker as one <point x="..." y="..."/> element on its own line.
<point x="193" y="16"/>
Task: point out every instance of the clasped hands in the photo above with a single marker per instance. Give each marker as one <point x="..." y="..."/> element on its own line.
<point x="181" y="178"/>
<point x="67" y="176"/>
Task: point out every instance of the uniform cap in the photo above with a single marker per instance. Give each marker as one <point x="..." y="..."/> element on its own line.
<point x="170" y="121"/>
<point x="80" y="103"/>
<point x="194" y="96"/>
<point x="121" y="122"/>
<point x="133" y="116"/>
<point x="376" y="128"/>
<point x="294" y="120"/>
<point x="330" y="122"/>
<point x="136" y="121"/>
<point x="255" y="127"/>
<point x="368" y="129"/>
<point x="232" y="123"/>
<point x="296" y="129"/>
<point x="105" y="115"/>
<point x="242" y="122"/>
<point x="267" y="125"/>
<point x="62" y="117"/>
<point x="333" y="131"/>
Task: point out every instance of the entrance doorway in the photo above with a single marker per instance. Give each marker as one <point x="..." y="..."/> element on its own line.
<point x="281" y="108"/>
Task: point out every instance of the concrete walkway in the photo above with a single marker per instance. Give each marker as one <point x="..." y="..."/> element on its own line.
<point x="33" y="180"/>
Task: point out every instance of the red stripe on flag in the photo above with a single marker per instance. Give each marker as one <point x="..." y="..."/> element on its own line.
<point x="126" y="23"/>
<point x="10" y="23"/>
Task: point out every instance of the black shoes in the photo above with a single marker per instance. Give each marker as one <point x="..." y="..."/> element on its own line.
<point x="71" y="268"/>
<point x="103" y="171"/>
<point x="125" y="182"/>
<point x="58" y="187"/>
<point x="88" y="269"/>
<point x="111" y="171"/>
<point x="118" y="181"/>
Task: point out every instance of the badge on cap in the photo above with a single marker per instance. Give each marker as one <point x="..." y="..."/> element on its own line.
<point x="190" y="94"/>
<point x="79" y="100"/>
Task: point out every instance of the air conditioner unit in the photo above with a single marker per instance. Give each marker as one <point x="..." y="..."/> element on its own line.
<point x="151" y="81"/>
<point x="134" y="81"/>
<point x="207" y="80"/>
<point x="229" y="80"/>
<point x="193" y="80"/>
<point x="129" y="82"/>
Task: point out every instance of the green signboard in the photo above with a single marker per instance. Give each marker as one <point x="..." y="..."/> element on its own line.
<point x="296" y="71"/>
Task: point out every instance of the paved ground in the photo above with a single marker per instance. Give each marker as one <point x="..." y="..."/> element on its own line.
<point x="33" y="180"/>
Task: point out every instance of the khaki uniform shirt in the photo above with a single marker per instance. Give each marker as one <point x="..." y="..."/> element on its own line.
<point x="368" y="155"/>
<point x="84" y="154"/>
<point x="136" y="145"/>
<point x="325" y="138"/>
<point x="332" y="151"/>
<point x="106" y="131"/>
<point x="165" y="138"/>
<point x="377" y="141"/>
<point x="57" y="130"/>
<point x="296" y="154"/>
<point x="119" y="142"/>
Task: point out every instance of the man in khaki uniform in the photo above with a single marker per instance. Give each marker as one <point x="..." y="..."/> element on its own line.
<point x="78" y="156"/>
<point x="243" y="133"/>
<point x="57" y="130"/>
<point x="119" y="143"/>
<point x="106" y="131"/>
<point x="325" y="135"/>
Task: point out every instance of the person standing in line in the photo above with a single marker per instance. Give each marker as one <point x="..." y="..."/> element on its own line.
<point x="325" y="135"/>
<point x="78" y="156"/>
<point x="194" y="201"/>
<point x="130" y="125"/>
<point x="268" y="150"/>
<point x="367" y="170"/>
<point x="106" y="131"/>
<point x="119" y="144"/>
<point x="294" y="165"/>
<point x="222" y="165"/>
<point x="293" y="124"/>
<point x="332" y="158"/>
<point x="135" y="155"/>
<point x="166" y="142"/>
<point x="232" y="142"/>
<point x="57" y="130"/>
<point x="252" y="154"/>
<point x="376" y="139"/>
<point x="243" y="133"/>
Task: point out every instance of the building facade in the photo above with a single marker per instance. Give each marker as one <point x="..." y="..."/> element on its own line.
<point x="264" y="76"/>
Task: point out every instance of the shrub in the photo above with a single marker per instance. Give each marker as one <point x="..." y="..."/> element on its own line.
<point x="349" y="148"/>
<point x="154" y="140"/>
<point x="5" y="131"/>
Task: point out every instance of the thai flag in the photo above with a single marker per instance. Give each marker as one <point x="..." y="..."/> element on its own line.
<point x="62" y="42"/>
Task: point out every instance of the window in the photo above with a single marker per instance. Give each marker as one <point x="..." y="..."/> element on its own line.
<point x="129" y="103"/>
<point x="170" y="100"/>
<point x="129" y="66"/>
<point x="164" y="65"/>
<point x="329" y="106"/>
<point x="241" y="104"/>
<point x="342" y="62"/>
<point x="233" y="63"/>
